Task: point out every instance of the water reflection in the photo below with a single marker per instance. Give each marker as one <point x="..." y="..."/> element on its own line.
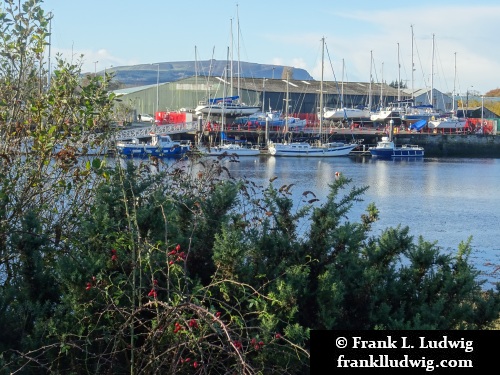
<point x="442" y="199"/>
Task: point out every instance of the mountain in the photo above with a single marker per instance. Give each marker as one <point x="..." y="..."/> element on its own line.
<point x="146" y="74"/>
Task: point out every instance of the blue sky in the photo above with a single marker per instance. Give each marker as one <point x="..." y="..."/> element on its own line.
<point x="127" y="32"/>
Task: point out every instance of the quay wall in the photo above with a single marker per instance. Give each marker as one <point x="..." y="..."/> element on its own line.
<point x="436" y="145"/>
<point x="458" y="145"/>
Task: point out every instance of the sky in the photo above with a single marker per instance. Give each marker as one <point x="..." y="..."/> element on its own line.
<point x="452" y="43"/>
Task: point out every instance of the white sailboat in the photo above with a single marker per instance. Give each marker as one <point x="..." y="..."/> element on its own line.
<point x="392" y="112"/>
<point x="413" y="114"/>
<point x="451" y="122"/>
<point x="343" y="112"/>
<point x="225" y="148"/>
<point x="229" y="105"/>
<point x="318" y="149"/>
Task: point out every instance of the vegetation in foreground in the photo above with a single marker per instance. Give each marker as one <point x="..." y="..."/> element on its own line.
<point x="147" y="268"/>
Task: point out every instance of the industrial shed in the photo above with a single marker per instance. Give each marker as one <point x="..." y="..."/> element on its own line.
<point x="268" y="93"/>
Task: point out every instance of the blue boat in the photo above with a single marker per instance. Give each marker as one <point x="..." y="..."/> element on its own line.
<point x="387" y="149"/>
<point x="159" y="146"/>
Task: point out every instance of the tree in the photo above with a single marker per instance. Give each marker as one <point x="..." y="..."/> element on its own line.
<point x="402" y="84"/>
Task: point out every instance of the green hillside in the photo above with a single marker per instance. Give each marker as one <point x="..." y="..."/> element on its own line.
<point x="146" y="74"/>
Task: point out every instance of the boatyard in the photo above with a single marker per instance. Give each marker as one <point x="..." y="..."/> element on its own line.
<point x="435" y="143"/>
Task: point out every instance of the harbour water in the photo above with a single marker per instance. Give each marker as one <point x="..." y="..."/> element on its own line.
<point x="442" y="199"/>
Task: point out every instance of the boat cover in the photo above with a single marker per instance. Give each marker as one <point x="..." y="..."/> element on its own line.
<point x="418" y="125"/>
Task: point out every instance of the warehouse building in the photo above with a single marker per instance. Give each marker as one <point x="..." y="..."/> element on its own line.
<point x="271" y="94"/>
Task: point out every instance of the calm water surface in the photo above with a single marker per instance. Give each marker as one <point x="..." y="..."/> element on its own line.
<point x="443" y="199"/>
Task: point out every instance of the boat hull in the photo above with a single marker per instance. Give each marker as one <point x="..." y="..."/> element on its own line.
<point x="387" y="149"/>
<point x="143" y="151"/>
<point x="160" y="146"/>
<point x="227" y="110"/>
<point x="302" y="149"/>
<point x="447" y="124"/>
<point x="398" y="152"/>
<point x="346" y="114"/>
<point x="229" y="150"/>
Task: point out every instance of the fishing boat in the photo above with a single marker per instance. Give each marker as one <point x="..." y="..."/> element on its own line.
<point x="159" y="146"/>
<point x="386" y="148"/>
<point x="317" y="149"/>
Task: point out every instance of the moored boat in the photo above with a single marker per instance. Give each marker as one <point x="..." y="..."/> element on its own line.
<point x="305" y="149"/>
<point x="318" y="149"/>
<point x="160" y="146"/>
<point x="229" y="149"/>
<point x="387" y="149"/>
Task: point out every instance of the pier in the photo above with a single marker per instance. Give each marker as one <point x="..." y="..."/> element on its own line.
<point x="435" y="144"/>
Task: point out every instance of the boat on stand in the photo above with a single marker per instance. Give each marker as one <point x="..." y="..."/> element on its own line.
<point x="386" y="148"/>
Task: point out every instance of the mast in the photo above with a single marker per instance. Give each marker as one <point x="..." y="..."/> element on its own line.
<point x="342" y="90"/>
<point x="196" y="72"/>
<point x="370" y="85"/>
<point x="432" y="73"/>
<point x="454" y="82"/>
<point x="222" y="126"/>
<point x="399" y="78"/>
<point x="231" y="61"/>
<point x="412" y="70"/>
<point x="287" y="99"/>
<point x="239" y="65"/>
<point x="382" y="87"/>
<point x="321" y="89"/>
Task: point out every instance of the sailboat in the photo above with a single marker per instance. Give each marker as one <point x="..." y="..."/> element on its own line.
<point x="225" y="148"/>
<point x="451" y="122"/>
<point x="318" y="149"/>
<point x="392" y="112"/>
<point x="229" y="105"/>
<point x="414" y="114"/>
<point x="343" y="112"/>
